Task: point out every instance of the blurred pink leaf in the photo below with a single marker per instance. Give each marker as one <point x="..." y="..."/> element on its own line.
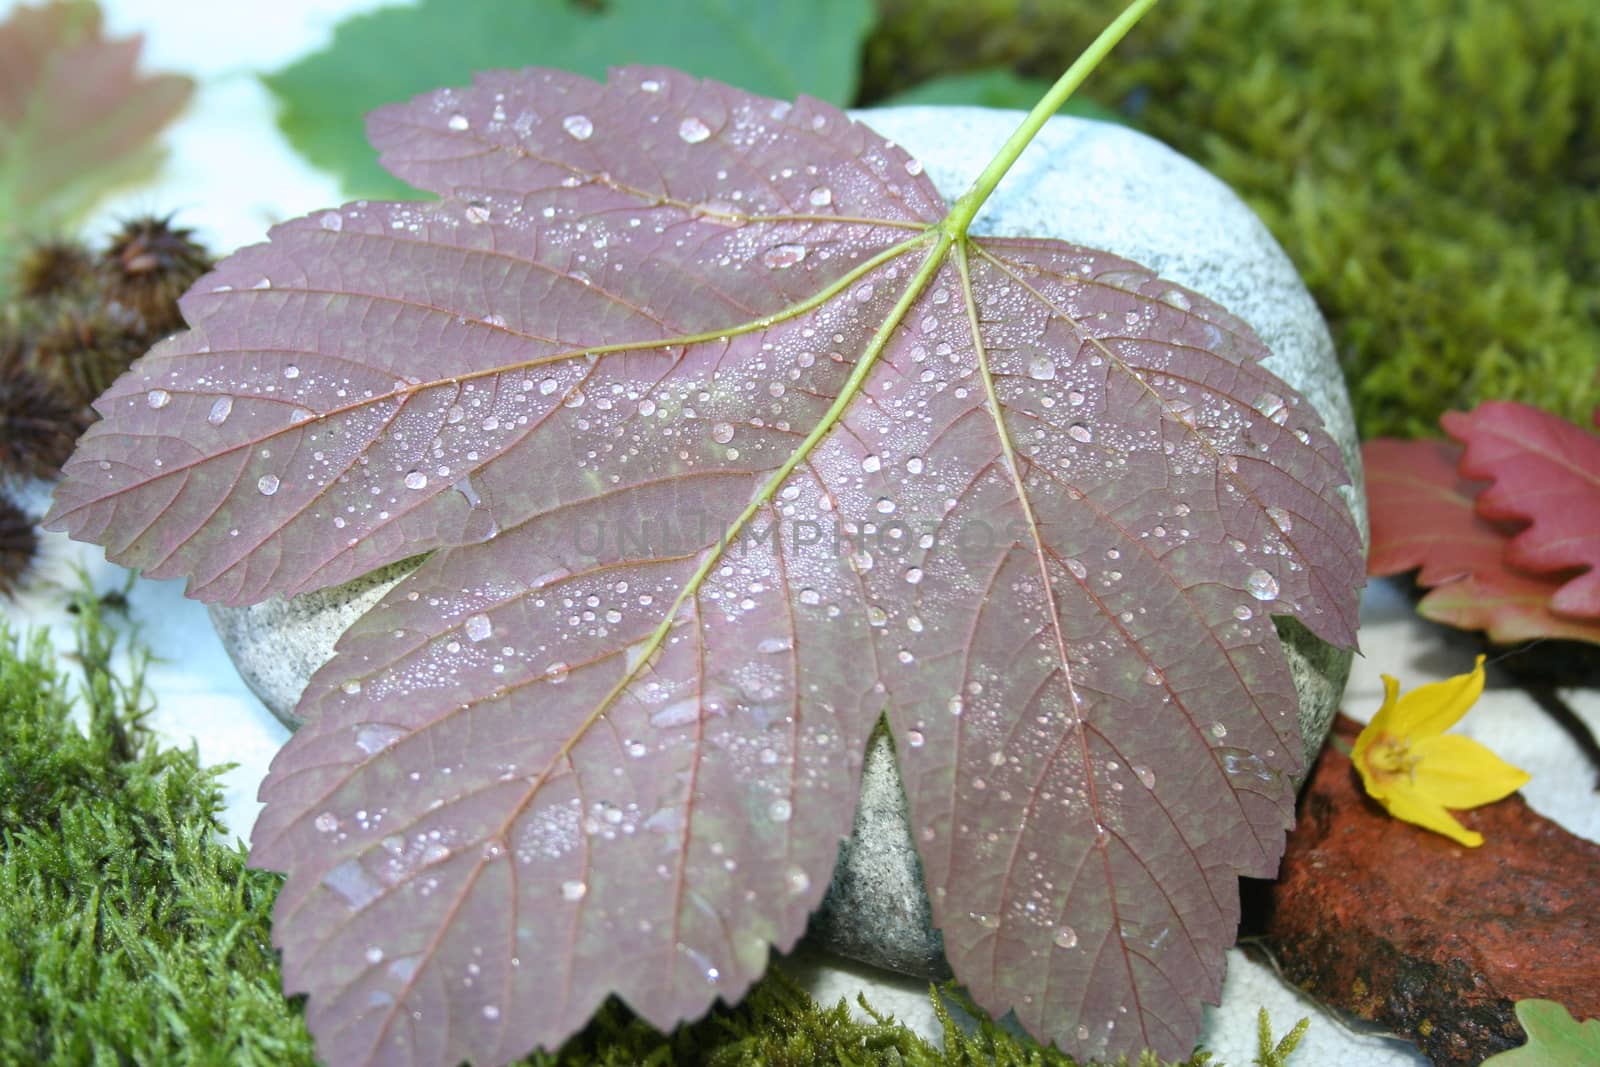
<point x="75" y="113"/>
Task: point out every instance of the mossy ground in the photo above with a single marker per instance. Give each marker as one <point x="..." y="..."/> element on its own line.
<point x="1431" y="166"/>
<point x="130" y="934"/>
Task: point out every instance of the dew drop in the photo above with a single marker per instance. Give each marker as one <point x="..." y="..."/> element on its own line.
<point x="772" y="646"/>
<point x="680" y="713"/>
<point x="374" y="955"/>
<point x="647" y="407"/>
<point x="416" y="480"/>
<point x="913" y="575"/>
<point x="871" y="464"/>
<point x="1153" y="677"/>
<point x="1079" y="432"/>
<point x="291" y="372"/>
<point x="821" y="196"/>
<point x="722" y="432"/>
<point x="326" y="823"/>
<point x="267" y="484"/>
<point x="374" y="737"/>
<point x="459" y="123"/>
<point x="693" y="131"/>
<point x="797" y="880"/>
<point x="557" y="672"/>
<point x="491" y="1012"/>
<point x="578" y="126"/>
<point x="478" y="627"/>
<point x="810" y="596"/>
<point x="1078" y="570"/>
<point x="1261" y="585"/>
<point x="1280" y="518"/>
<point x="221" y="408"/>
<point x="1218" y="730"/>
<point x="1273" y="407"/>
<point x="548" y="386"/>
<point x="781" y="257"/>
<point x="1146" y="776"/>
<point x="158" y="398"/>
<point x="573" y="890"/>
<point x="1243" y="614"/>
<point x="780" y="810"/>
<point x="985" y="920"/>
<point x="1065" y="937"/>
<point x="331" y="220"/>
<point x="1041" y="368"/>
<point x="915" y="739"/>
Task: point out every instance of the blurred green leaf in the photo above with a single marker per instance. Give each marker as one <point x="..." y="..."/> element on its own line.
<point x="994" y="88"/>
<point x="780" y="49"/>
<point x="1555" y="1038"/>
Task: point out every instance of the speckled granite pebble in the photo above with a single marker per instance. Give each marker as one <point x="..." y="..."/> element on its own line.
<point x="1086" y="182"/>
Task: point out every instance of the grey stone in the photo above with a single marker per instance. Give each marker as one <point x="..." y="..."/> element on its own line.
<point x="277" y="645"/>
<point x="1091" y="183"/>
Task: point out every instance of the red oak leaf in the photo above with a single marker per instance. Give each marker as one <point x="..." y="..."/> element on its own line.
<point x="1545" y="472"/>
<point x="1422" y="516"/>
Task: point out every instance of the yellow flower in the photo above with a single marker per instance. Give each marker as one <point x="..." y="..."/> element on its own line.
<point x="1415" y="770"/>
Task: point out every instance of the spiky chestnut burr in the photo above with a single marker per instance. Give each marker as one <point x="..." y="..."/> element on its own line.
<point x="53" y="267"/>
<point x="19" y="544"/>
<point x="148" y="265"/>
<point x="38" y="425"/>
<point x="80" y="345"/>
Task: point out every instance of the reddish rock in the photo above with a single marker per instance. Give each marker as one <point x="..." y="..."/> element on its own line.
<point x="1431" y="940"/>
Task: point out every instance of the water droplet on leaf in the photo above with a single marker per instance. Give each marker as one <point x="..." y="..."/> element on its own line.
<point x="1261" y="585"/>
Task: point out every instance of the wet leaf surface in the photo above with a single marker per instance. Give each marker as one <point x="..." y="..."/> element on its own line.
<point x="725" y="445"/>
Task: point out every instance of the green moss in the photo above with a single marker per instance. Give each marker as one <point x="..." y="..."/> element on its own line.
<point x="1429" y="165"/>
<point x="130" y="935"/>
<point x="127" y="933"/>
